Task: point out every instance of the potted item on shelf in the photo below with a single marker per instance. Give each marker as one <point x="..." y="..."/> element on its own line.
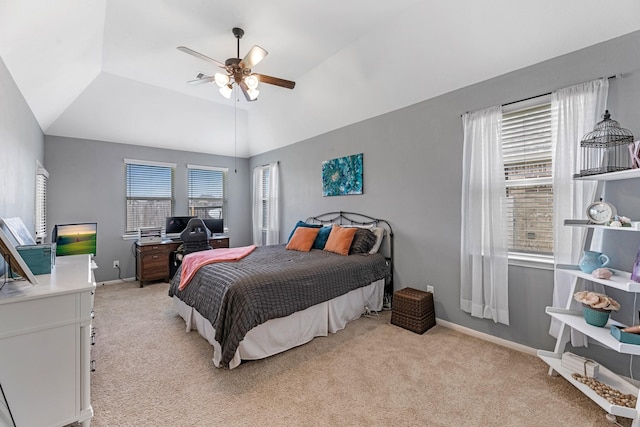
<point x="596" y="307"/>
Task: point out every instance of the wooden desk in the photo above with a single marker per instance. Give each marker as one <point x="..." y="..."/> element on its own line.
<point x="152" y="260"/>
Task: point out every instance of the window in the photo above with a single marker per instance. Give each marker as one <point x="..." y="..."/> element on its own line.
<point x="527" y="154"/>
<point x="149" y="194"/>
<point x="207" y="191"/>
<point x="264" y="202"/>
<point x="41" y="203"/>
<point x="265" y="206"/>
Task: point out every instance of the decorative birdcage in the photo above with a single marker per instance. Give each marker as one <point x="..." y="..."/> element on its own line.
<point x="606" y="148"/>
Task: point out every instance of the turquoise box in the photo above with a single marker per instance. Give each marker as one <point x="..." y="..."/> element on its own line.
<point x="39" y="258"/>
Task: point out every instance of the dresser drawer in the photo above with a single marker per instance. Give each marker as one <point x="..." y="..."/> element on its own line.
<point x="55" y="310"/>
<point x="155" y="272"/>
<point x="154" y="249"/>
<point x="154" y="260"/>
<point x="219" y="243"/>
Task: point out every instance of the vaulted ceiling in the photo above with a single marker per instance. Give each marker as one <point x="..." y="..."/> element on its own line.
<point x="109" y="69"/>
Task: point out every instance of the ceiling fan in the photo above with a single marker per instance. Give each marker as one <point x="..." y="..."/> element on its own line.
<point x="238" y="71"/>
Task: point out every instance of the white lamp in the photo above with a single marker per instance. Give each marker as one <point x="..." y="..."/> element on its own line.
<point x="221" y="79"/>
<point x="253" y="93"/>
<point x="226" y="91"/>
<point x="251" y="81"/>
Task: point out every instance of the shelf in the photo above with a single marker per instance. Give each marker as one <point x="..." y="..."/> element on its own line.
<point x="635" y="225"/>
<point x="611" y="176"/>
<point x="620" y="280"/>
<point x="605" y="376"/>
<point x="603" y="335"/>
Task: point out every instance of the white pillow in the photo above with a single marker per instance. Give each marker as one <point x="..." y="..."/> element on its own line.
<point x="379" y="232"/>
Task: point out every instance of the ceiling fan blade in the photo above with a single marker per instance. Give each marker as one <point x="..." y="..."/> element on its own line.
<point x="255" y="55"/>
<point x="201" y="56"/>
<point x="275" y="81"/>
<point x="202" y="78"/>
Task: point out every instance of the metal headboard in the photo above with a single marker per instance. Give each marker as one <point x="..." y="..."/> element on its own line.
<point x="353" y="218"/>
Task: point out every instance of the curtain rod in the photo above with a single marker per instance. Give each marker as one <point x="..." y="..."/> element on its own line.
<point x="544" y="94"/>
<point x="261" y="166"/>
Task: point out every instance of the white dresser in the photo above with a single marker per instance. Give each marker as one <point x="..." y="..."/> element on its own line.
<point x="45" y="346"/>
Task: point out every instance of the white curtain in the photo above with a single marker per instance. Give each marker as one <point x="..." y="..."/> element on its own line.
<point x="272" y="206"/>
<point x="256" y="214"/>
<point x="273" y="224"/>
<point x="483" y="249"/>
<point x="575" y="111"/>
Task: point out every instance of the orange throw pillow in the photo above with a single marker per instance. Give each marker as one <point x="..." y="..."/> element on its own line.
<point x="302" y="239"/>
<point x="340" y="239"/>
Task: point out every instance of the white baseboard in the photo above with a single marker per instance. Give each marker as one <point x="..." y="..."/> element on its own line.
<point x="500" y="341"/>
<point x="113" y="282"/>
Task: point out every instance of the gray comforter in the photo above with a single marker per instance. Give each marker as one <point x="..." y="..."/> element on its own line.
<point x="272" y="282"/>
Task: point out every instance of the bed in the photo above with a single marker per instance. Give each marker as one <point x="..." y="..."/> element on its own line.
<point x="274" y="298"/>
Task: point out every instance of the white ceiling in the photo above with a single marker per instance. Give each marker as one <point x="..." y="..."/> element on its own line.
<point x="109" y="69"/>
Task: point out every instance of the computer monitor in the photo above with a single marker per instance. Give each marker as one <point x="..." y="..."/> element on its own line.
<point x="215" y="225"/>
<point x="74" y="239"/>
<point x="175" y="225"/>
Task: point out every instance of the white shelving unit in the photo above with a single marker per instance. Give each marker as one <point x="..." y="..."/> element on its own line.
<point x="635" y="225"/>
<point x="575" y="320"/>
<point x="620" y="280"/>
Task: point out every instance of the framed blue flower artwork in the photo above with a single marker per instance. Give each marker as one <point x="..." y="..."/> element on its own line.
<point x="342" y="176"/>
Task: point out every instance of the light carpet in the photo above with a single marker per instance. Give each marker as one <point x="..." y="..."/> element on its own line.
<point x="150" y="372"/>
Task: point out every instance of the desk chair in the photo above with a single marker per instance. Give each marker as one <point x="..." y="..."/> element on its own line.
<point x="195" y="237"/>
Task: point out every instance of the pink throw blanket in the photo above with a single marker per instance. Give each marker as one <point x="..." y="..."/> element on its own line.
<point x="192" y="262"/>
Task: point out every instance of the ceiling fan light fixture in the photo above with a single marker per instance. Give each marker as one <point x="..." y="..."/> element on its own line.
<point x="238" y="71"/>
<point x="253" y="93"/>
<point x="221" y="79"/>
<point x="226" y="91"/>
<point x="251" y="81"/>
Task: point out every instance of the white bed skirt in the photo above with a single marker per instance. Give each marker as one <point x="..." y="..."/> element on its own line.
<point x="277" y="335"/>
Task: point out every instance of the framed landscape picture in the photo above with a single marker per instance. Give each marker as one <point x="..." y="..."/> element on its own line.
<point x="342" y="176"/>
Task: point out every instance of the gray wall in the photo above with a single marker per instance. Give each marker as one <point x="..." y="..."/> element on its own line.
<point x="87" y="184"/>
<point x="21" y="145"/>
<point x="412" y="178"/>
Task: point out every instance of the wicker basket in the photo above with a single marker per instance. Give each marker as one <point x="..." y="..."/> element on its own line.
<point x="595" y="316"/>
<point x="413" y="324"/>
<point x="413" y="310"/>
<point x="412" y="302"/>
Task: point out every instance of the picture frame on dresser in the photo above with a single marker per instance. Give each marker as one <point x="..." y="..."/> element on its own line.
<point x="13" y="260"/>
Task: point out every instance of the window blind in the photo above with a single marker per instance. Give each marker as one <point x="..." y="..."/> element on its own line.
<point x="265" y="197"/>
<point x="41" y="203"/>
<point x="149" y="194"/>
<point x="527" y="154"/>
<point x="206" y="191"/>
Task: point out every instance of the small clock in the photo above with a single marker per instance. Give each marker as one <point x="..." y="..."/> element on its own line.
<point x="600" y="212"/>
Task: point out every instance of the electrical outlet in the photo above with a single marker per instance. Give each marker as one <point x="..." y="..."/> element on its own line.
<point x="116" y="264"/>
<point x="430" y="288"/>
